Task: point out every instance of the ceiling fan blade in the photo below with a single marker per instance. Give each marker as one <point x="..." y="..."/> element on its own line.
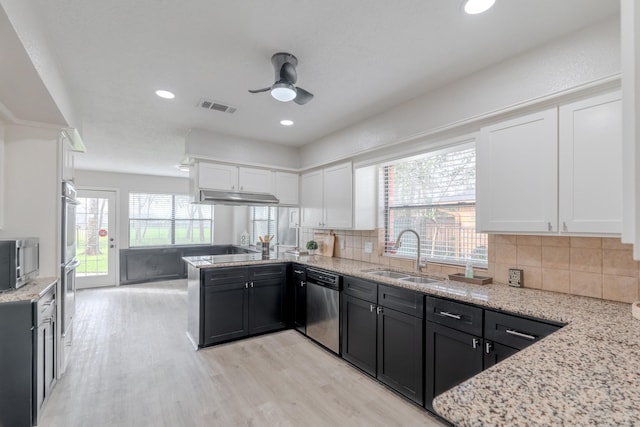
<point x="302" y="97"/>
<point x="260" y="90"/>
<point x="288" y="73"/>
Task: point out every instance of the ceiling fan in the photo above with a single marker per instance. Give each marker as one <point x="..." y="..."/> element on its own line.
<point x="284" y="89"/>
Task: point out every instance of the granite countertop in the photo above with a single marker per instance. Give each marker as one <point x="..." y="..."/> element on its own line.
<point x="30" y="292"/>
<point x="587" y="373"/>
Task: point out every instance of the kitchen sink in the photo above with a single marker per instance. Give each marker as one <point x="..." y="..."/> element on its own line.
<point x="389" y="274"/>
<point x="418" y="279"/>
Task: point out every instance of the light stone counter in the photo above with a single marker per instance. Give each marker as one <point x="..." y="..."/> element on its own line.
<point x="29" y="292"/>
<point x="587" y="373"/>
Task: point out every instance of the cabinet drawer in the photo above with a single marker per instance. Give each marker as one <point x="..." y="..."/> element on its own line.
<point x="515" y="331"/>
<point x="462" y="317"/>
<point x="272" y="271"/>
<point x="402" y="300"/>
<point x="362" y="289"/>
<point x="222" y="276"/>
<point x="46" y="305"/>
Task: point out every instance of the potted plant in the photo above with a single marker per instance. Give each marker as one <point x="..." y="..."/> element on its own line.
<point x="312" y="245"/>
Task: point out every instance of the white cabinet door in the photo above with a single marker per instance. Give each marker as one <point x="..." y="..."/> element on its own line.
<point x="311" y="199"/>
<point x="67" y="156"/>
<point x="338" y="196"/>
<point x="217" y="177"/>
<point x="256" y="180"/>
<point x="590" y="171"/>
<point x="287" y="188"/>
<point x="365" y="191"/>
<point x="517" y="175"/>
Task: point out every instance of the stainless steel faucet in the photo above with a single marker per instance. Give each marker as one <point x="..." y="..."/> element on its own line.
<point x="417" y="237"/>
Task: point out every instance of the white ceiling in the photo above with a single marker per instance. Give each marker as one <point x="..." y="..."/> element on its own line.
<point x="359" y="58"/>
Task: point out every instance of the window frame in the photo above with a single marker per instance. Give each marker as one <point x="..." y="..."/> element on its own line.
<point x="386" y="209"/>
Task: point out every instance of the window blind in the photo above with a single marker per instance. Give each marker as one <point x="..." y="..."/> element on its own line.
<point x="434" y="194"/>
<point x="168" y="219"/>
<point x="263" y="222"/>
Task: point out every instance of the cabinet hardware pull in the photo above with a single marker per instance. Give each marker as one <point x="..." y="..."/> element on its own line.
<point x="252" y="284"/>
<point x="298" y="271"/>
<point x="378" y="310"/>
<point x="246" y="285"/>
<point x="372" y="307"/>
<point x="451" y="315"/>
<point x="520" y="334"/>
<point x="549" y="226"/>
<point x="475" y="342"/>
<point x="302" y="284"/>
<point x="487" y="347"/>
<point x="564" y="226"/>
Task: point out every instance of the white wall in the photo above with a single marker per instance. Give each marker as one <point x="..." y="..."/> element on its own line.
<point x="225" y="148"/>
<point x="2" y="175"/>
<point x="580" y="58"/>
<point x="32" y="191"/>
<point x="125" y="183"/>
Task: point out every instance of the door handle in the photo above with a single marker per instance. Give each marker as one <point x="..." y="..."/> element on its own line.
<point x="302" y="284"/>
<point x="475" y="342"/>
<point x="372" y="307"/>
<point x="487" y="347"/>
<point x="379" y="310"/>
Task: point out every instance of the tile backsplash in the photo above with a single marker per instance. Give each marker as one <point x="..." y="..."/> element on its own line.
<point x="590" y="266"/>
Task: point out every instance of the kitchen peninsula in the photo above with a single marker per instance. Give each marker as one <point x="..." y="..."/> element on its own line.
<point x="582" y="374"/>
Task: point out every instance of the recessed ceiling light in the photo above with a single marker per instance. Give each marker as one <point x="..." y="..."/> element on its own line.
<point x="286" y="122"/>
<point x="473" y="7"/>
<point x="165" y="94"/>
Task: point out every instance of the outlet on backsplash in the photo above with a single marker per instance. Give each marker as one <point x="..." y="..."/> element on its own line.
<point x="368" y="247"/>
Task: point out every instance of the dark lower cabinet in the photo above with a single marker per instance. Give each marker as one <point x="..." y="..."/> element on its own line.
<point x="359" y="333"/>
<point x="242" y="301"/>
<point x="226" y="312"/>
<point x="495" y="353"/>
<point x="386" y="343"/>
<point x="266" y="305"/>
<point x="400" y="351"/>
<point x="452" y="357"/>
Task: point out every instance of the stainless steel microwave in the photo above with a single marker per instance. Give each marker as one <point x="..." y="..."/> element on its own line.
<point x="19" y="262"/>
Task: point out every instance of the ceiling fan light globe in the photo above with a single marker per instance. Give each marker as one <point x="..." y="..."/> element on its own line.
<point x="283" y="92"/>
<point x="474" y="7"/>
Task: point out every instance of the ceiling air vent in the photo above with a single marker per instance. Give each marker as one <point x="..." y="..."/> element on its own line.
<point x="216" y="106"/>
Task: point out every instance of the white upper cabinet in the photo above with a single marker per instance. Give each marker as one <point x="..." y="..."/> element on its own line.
<point x="327" y="197"/>
<point x="338" y="196"/>
<point x="556" y="171"/>
<point x="214" y="176"/>
<point x="287" y="188"/>
<point x="311" y="200"/>
<point x="591" y="165"/>
<point x="365" y="192"/>
<point x="517" y="184"/>
<point x="256" y="180"/>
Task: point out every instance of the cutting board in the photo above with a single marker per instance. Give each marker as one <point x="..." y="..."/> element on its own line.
<point x="326" y="242"/>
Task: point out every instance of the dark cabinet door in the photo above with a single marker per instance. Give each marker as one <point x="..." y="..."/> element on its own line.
<point x="451" y="358"/>
<point x="400" y="353"/>
<point x="266" y="305"/>
<point x="359" y="324"/>
<point x="495" y="353"/>
<point x="300" y="300"/>
<point x="226" y="312"/>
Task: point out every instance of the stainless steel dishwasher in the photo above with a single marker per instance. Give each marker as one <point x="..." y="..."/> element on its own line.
<point x="323" y="308"/>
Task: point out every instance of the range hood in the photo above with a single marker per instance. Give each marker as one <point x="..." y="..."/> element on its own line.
<point x="234" y="198"/>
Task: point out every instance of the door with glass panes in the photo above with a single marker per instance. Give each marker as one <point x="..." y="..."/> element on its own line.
<point x="96" y="238"/>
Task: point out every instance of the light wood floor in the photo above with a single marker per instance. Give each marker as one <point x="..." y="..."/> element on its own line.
<point x="132" y="365"/>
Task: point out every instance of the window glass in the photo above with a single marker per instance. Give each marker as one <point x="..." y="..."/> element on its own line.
<point x="434" y="194"/>
<point x="168" y="219"/>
